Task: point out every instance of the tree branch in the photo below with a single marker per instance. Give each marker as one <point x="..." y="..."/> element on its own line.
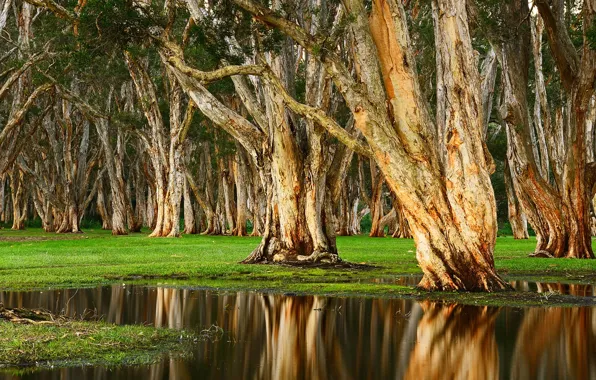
<point x="20" y="114"/>
<point x="334" y="66"/>
<point x="319" y="117"/>
<point x="559" y="41"/>
<point x="16" y="75"/>
<point x="56" y="8"/>
<point x="175" y="57"/>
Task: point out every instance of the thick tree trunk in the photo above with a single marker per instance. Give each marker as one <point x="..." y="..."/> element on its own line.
<point x="287" y="235"/>
<point x="454" y="229"/>
<point x="168" y="166"/>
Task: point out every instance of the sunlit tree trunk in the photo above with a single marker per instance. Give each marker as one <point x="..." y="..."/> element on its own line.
<point x="297" y="225"/>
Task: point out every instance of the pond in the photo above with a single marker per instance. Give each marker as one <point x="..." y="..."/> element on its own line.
<point x="274" y="336"/>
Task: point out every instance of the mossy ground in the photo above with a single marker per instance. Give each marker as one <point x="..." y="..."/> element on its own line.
<point x="32" y="259"/>
<point x="25" y="347"/>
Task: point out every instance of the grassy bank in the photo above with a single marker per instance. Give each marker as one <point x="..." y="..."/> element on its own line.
<point x="39" y="341"/>
<point x="32" y="259"/>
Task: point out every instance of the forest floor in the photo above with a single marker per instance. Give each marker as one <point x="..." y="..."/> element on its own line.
<point x="33" y="259"/>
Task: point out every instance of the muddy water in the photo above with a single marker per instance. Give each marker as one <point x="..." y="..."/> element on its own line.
<point x="310" y="337"/>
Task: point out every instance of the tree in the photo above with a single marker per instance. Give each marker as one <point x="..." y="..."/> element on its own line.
<point x="558" y="211"/>
<point x="448" y="202"/>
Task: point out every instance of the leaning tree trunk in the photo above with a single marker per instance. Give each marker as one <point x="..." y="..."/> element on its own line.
<point x="453" y="222"/>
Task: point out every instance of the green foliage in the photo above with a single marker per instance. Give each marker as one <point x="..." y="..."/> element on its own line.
<point x="591" y="35"/>
<point x="117" y="24"/>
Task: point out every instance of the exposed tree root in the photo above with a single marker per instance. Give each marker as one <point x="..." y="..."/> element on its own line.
<point x="322" y="257"/>
<point x="488" y="283"/>
<point x="542" y="254"/>
<point x="272" y="251"/>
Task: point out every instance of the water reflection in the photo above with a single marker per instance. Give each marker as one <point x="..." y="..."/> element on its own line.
<point x="580" y="290"/>
<point x="284" y="337"/>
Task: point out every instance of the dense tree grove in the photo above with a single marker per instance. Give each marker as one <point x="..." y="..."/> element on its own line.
<point x="437" y="120"/>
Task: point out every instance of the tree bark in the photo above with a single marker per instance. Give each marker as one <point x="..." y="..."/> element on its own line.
<point x="113" y="163"/>
<point x="190" y="225"/>
<point x="517" y="218"/>
<point x="240" y="178"/>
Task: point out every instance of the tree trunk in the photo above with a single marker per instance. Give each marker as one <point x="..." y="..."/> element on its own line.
<point x="297" y="227"/>
<point x="190" y="225"/>
<point x="102" y="210"/>
<point x="114" y="167"/>
<point x="376" y="203"/>
<point x="454" y="229"/>
<point x="403" y="228"/>
<point x="17" y="191"/>
<point x="168" y="166"/>
<point x="240" y="177"/>
<point x="517" y="218"/>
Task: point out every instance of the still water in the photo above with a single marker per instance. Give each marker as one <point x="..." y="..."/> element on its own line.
<point x="311" y="337"/>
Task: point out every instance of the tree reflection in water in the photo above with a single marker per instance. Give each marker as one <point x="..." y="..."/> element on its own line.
<point x="309" y="337"/>
<point x="556" y="343"/>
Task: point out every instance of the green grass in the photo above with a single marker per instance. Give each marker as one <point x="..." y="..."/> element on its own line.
<point x="74" y="343"/>
<point x="95" y="257"/>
